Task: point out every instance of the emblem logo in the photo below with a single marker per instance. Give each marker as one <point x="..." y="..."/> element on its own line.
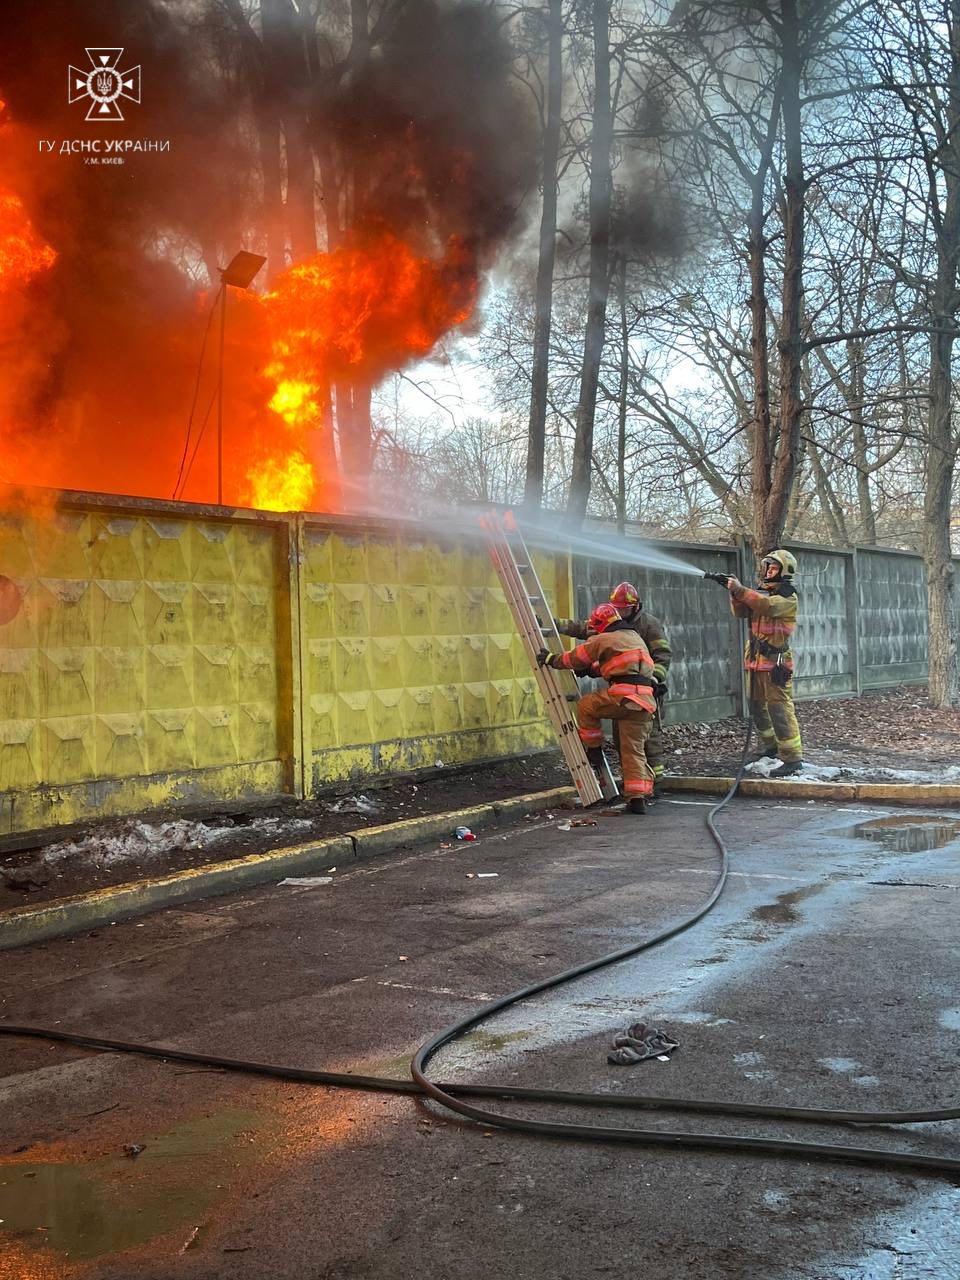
<point x="104" y="84"/>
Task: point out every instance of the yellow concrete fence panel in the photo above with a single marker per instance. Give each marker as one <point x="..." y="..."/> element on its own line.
<point x="446" y="611"/>
<point x="387" y="709"/>
<point x="354" y="722"/>
<point x="166" y="551"/>
<point x="211" y="553"/>
<point x="474" y="660"/>
<point x="320" y="674"/>
<point x="448" y="708"/>
<point x="215" y="675"/>
<point x="115" y="612"/>
<point x="21" y="766"/>
<point x="324" y="729"/>
<point x="416" y="611"/>
<point x="351" y="665"/>
<point x="348" y="558"/>
<point x="63" y="612"/>
<point x="177" y="654"/>
<point x="384" y="609"/>
<point x="67" y="750"/>
<point x="119" y="679"/>
<point x="351" y="609"/>
<point x="417" y="712"/>
<point x="19" y="683"/>
<point x="152" y="650"/>
<point x="66" y="681"/>
<point x="119" y="746"/>
<point x="385" y="662"/>
<point x="169" y="676"/>
<point x="416" y="660"/>
<point x="116" y="549"/>
<point x="476" y="714"/>
<point x="448" y="655"/>
<point x="218" y="734"/>
<point x="213" y="612"/>
<point x="171" y="740"/>
<point x="317" y="615"/>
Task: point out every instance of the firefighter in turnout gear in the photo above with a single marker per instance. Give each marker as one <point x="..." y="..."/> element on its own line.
<point x="615" y="649"/>
<point x="772" y="611"/>
<point x="626" y="600"/>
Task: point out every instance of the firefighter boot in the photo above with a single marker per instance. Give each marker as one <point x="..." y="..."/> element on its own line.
<point x="595" y="757"/>
<point x="786" y="770"/>
<point x="637" y="805"/>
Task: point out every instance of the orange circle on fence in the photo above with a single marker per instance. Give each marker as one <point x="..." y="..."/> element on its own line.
<point x="10" y="599"/>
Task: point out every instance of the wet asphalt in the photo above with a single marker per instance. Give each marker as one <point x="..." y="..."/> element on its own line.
<point x="826" y="976"/>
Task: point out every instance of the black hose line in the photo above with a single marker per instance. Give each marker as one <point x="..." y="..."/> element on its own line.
<point x="449" y="1094"/>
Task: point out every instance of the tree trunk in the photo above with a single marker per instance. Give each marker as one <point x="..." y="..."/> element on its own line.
<point x="941" y="445"/>
<point x="288" y="79"/>
<point x="600" y="188"/>
<point x="543" y="317"/>
<point x="770" y="520"/>
<point x="622" y="398"/>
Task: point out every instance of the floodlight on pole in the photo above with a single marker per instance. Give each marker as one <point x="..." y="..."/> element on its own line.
<point x="239" y="273"/>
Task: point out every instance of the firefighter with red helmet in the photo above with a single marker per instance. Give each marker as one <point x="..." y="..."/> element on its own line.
<point x="626" y="600"/>
<point x="615" y="649"/>
<point x="772" y="610"/>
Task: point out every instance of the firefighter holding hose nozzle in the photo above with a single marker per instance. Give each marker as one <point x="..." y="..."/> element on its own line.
<point x="772" y="610"/>
<point x="622" y="658"/>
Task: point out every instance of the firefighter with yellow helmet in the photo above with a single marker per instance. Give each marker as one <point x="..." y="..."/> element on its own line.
<point x="626" y="600"/>
<point x="772" y="610"/>
<point x="618" y="653"/>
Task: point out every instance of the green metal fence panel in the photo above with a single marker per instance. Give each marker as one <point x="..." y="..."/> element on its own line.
<point x="892" y="609"/>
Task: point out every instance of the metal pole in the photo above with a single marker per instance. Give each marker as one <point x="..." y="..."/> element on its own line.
<point x="223" y="325"/>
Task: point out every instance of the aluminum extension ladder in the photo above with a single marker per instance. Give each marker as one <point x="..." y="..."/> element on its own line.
<point x="534" y="620"/>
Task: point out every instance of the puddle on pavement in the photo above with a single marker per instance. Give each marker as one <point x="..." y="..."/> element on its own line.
<point x="85" y="1209"/>
<point x="909" y="832"/>
<point x="784" y="910"/>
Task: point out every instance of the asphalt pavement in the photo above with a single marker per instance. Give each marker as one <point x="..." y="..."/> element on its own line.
<point x="826" y="976"/>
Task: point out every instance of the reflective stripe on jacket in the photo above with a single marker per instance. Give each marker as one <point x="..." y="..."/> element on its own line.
<point x="773" y="618"/>
<point x="619" y="654"/>
<point x="649" y="629"/>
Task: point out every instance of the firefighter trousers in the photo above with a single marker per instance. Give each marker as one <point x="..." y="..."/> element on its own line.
<point x="772" y="710"/>
<point x="633" y="724"/>
<point x="653" y="745"/>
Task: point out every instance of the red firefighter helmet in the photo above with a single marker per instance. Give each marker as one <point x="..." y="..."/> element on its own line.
<point x="625" y="596"/>
<point x="603" y="616"/>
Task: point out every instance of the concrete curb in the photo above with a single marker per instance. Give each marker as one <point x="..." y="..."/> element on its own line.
<point x="918" y="793"/>
<point x="21" y="926"/>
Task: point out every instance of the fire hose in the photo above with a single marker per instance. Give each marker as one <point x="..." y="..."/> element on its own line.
<point x="450" y="1095"/>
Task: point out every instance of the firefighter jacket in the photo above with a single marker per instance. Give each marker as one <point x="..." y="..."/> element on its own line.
<point x="622" y="659"/>
<point x="773" y="617"/>
<point x="649" y="629"/>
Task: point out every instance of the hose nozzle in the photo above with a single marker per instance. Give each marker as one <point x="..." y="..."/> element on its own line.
<point x="720" y="578"/>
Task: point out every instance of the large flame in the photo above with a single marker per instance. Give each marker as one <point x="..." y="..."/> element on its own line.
<point x="23" y="254"/>
<point x="353" y="315"/>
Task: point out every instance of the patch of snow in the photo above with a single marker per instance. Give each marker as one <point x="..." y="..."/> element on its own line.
<point x="136" y="841"/>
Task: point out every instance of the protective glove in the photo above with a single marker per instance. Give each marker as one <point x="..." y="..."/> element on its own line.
<point x="543" y="658"/>
<point x="660" y="690"/>
<point x="722" y="578"/>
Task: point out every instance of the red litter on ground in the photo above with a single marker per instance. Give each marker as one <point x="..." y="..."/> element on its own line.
<point x="464" y="833"/>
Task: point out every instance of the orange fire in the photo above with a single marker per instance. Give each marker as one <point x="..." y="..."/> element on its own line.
<point x="299" y="362"/>
<point x="349" y="316"/>
<point x="22" y="253"/>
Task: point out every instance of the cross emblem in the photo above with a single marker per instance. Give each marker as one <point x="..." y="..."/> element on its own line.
<point x="104" y="84"/>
